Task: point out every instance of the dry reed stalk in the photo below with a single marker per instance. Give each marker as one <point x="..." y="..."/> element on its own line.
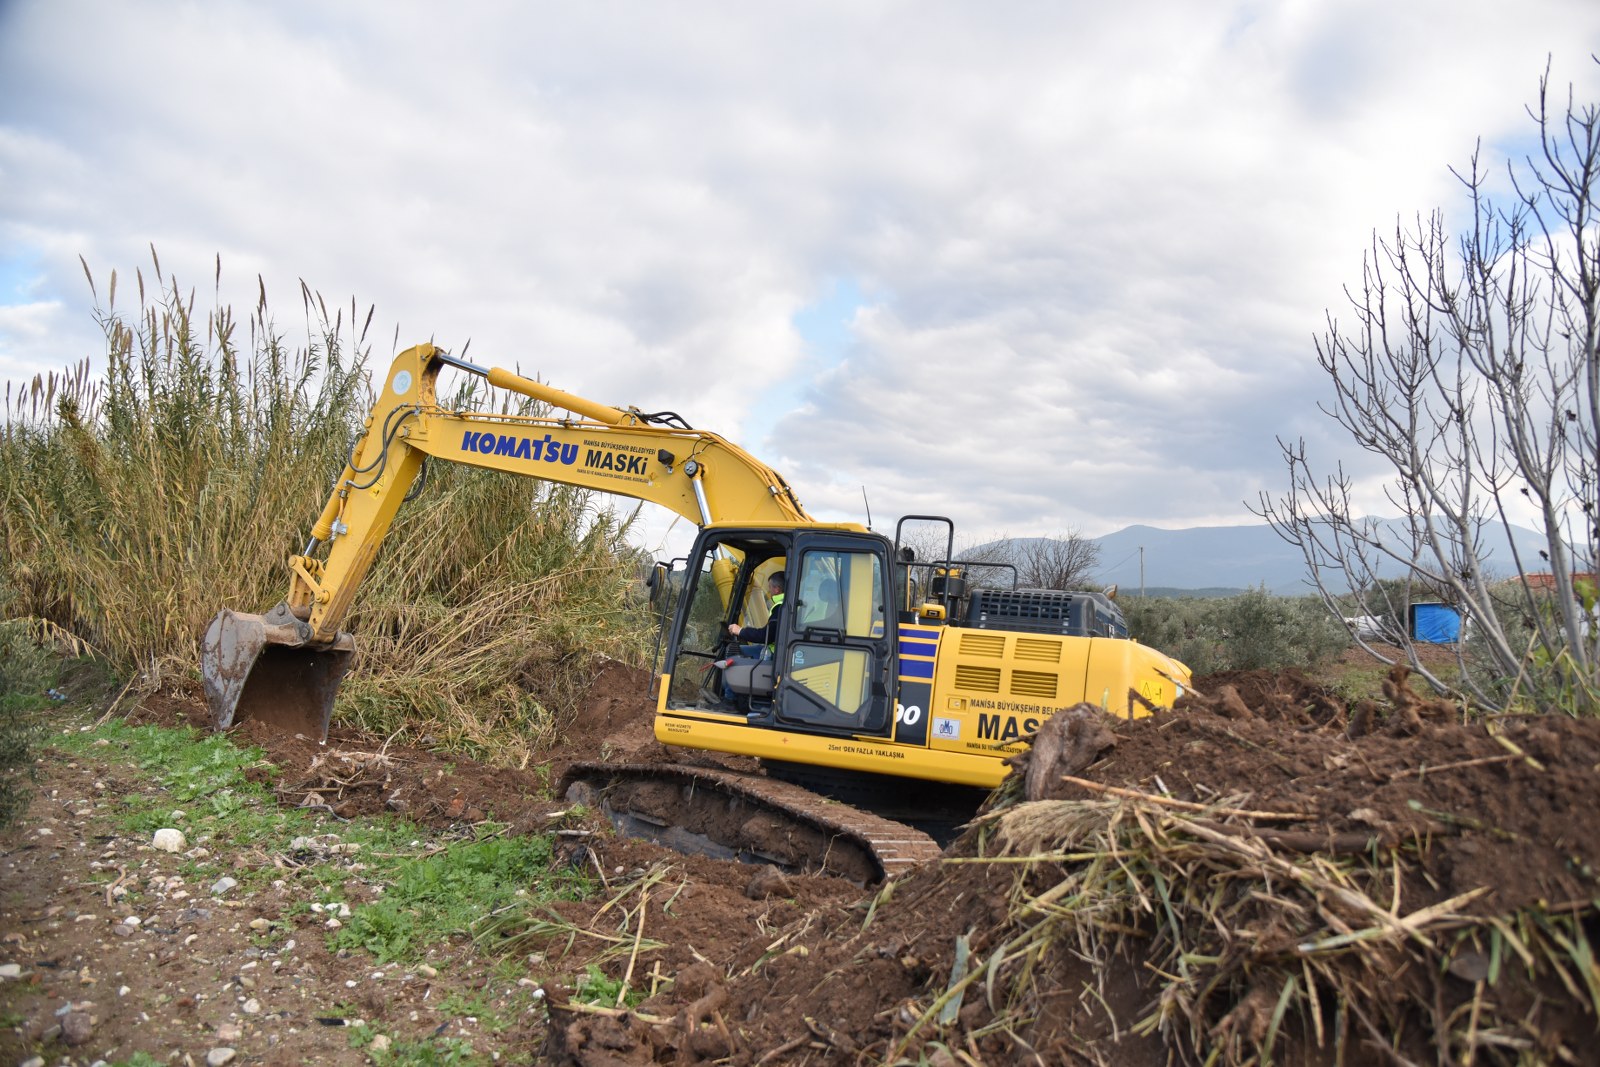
<point x="1211" y="917"/>
<point x="1187" y="805"/>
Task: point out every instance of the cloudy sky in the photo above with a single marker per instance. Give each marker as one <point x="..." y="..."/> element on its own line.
<point x="1038" y="266"/>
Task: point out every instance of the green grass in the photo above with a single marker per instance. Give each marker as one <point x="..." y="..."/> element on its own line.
<point x="594" y="987"/>
<point x="432" y="891"/>
<point x="431" y="898"/>
<point x="188" y="764"/>
<point x="481" y="1007"/>
<point x="139" y="1059"/>
<point x="208" y="779"/>
<point x="435" y="1052"/>
<point x="1363" y="681"/>
<point x="1357" y="676"/>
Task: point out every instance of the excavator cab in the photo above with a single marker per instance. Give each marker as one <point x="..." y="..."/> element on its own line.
<point x="830" y="664"/>
<point x="723" y="582"/>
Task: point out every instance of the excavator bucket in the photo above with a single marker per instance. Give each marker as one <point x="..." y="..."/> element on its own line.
<point x="266" y="667"/>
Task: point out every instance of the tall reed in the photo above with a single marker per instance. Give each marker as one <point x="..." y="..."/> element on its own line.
<point x="489" y="605"/>
<point x="137" y="500"/>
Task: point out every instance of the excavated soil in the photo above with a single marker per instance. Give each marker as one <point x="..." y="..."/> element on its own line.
<point x="768" y="969"/>
<point x="1505" y="804"/>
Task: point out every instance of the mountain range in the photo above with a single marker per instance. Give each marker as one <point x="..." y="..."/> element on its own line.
<point x="1221" y="560"/>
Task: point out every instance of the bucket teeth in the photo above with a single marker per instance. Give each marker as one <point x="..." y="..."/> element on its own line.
<point x="265" y="667"/>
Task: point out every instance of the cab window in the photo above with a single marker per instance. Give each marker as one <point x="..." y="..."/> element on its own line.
<point x="837" y="620"/>
<point x="840" y="592"/>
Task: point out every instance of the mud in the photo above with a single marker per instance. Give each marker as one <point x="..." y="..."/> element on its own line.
<point x="773" y="969"/>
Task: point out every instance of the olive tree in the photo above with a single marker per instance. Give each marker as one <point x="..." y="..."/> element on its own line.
<point x="1469" y="366"/>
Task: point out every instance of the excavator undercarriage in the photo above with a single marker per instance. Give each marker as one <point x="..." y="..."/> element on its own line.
<point x="747" y="817"/>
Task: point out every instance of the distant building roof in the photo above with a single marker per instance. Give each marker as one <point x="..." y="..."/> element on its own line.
<point x="1546" y="580"/>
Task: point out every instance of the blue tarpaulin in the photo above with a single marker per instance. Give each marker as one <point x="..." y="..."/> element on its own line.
<point x="1437" y="624"/>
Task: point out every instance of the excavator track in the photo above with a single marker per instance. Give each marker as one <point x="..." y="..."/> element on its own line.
<point x="730" y="815"/>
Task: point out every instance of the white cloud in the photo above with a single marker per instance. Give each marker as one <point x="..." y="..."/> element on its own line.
<point x="25" y="330"/>
<point x="1094" y="242"/>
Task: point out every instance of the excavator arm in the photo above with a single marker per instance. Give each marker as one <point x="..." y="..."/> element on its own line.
<point x="697" y="474"/>
<point x="285" y="666"/>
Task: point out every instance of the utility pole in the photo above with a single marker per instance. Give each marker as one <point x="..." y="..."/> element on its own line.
<point x="1141" y="572"/>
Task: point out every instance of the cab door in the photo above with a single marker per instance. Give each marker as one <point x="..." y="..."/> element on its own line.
<point x="836" y="656"/>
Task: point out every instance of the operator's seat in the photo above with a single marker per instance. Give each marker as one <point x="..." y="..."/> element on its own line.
<point x="750" y="677"/>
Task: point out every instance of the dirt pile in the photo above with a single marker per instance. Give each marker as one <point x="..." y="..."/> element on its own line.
<point x="1503" y="803"/>
<point x="1267" y="869"/>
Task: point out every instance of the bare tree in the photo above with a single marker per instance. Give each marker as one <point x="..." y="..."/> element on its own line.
<point x="985" y="564"/>
<point x="1064" y="561"/>
<point x="1471" y="369"/>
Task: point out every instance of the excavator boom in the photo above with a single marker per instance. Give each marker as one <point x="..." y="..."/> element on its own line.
<point x="287" y="664"/>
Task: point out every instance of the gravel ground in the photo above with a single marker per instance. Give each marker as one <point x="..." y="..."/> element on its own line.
<point x="112" y="947"/>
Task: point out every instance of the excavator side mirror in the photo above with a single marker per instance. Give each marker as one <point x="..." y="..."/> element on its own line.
<point x="655" y="580"/>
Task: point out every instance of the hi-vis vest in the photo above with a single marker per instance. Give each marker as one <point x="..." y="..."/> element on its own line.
<point x="772" y="631"/>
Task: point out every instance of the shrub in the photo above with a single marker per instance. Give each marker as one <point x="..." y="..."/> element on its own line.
<point x="25" y="675"/>
<point x="1254" y="630"/>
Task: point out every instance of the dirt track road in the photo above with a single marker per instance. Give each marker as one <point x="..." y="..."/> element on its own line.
<point x="123" y="949"/>
<point x="203" y="968"/>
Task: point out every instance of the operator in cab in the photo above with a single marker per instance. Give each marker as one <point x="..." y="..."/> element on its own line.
<point x="756" y="643"/>
<point x="754" y="640"/>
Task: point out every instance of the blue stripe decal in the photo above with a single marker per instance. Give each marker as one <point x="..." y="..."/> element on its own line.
<point x="918" y="648"/>
<point x="911" y="668"/>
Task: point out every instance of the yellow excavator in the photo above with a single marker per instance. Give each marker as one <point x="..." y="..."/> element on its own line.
<point x="884" y="676"/>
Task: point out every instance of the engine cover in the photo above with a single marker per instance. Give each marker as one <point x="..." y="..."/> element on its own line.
<point x="1046" y="611"/>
